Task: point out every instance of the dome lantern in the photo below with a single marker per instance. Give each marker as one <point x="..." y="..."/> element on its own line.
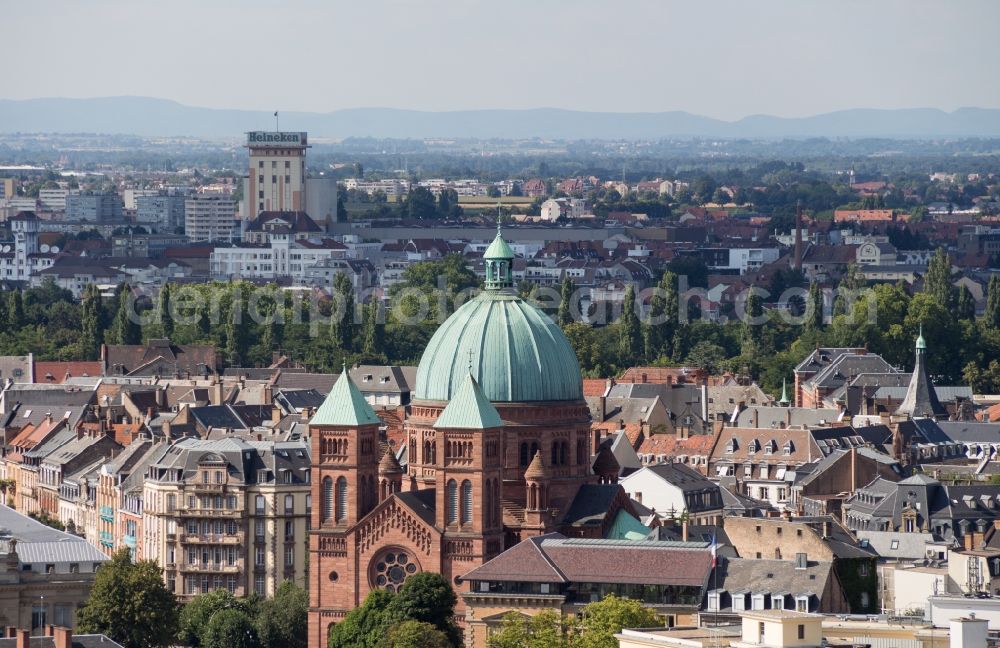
<point x="499" y="259"/>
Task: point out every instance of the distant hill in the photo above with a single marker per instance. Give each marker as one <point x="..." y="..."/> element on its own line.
<point x="159" y="117"/>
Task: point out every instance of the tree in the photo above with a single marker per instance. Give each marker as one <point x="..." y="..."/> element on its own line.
<point x="706" y="356"/>
<point x="237" y="326"/>
<point x="195" y="615"/>
<point x="565" y="316"/>
<point x="15" y="311"/>
<point x="965" y="306"/>
<point x="230" y="628"/>
<point x="547" y="629"/>
<point x="814" y="321"/>
<point x="937" y="281"/>
<point x="426" y="597"/>
<point x="603" y="619"/>
<point x="373" y="334"/>
<point x="416" y="634"/>
<point x="342" y="313"/>
<point x="629" y="335"/>
<point x="420" y="204"/>
<point x="983" y="380"/>
<point x="91" y="324"/>
<point x="991" y="316"/>
<point x="362" y="626"/>
<point x="125" y="327"/>
<point x="661" y="325"/>
<point x="164" y="316"/>
<point x="282" y="620"/>
<point x="753" y="328"/>
<point x="130" y="604"/>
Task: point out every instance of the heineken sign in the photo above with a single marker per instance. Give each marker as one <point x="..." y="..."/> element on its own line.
<point x="275" y="138"/>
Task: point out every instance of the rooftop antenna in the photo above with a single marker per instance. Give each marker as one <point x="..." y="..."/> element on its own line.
<point x="276" y="129"/>
<point x="499" y="217"/>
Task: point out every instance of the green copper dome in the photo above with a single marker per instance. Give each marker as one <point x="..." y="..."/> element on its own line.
<point x="514" y="351"/>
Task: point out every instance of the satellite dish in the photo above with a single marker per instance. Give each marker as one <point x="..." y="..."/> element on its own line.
<point x="44" y="248"/>
<point x="6" y="248"/>
<point x="54" y="249"/>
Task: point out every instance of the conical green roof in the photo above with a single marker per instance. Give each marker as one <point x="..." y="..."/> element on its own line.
<point x="784" y="393"/>
<point x="498" y="249"/>
<point x="345" y="405"/>
<point x="921" y="344"/>
<point x="469" y="409"/>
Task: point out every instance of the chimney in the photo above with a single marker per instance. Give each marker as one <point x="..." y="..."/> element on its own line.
<point x="643" y="378"/>
<point x="754" y="420"/>
<point x="10" y="632"/>
<point x="684" y="530"/>
<point x="150" y="413"/>
<point x="704" y="400"/>
<point x="604" y="408"/>
<point x="854" y="469"/>
<point x="62" y="637"/>
<point x="268" y="394"/>
<point x="275" y="414"/>
<point x="826" y="528"/>
<point x="798" y="236"/>
<point x="23" y="638"/>
<point x="49" y="630"/>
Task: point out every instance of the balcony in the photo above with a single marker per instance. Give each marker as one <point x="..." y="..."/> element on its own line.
<point x="129" y="541"/>
<point x="209" y="513"/>
<point x="212" y="538"/>
<point x="212" y="568"/>
<point x="107" y="514"/>
<point x="209" y="488"/>
<point x="107" y="540"/>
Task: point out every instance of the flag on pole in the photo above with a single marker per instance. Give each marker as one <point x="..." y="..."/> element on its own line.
<point x="714" y="548"/>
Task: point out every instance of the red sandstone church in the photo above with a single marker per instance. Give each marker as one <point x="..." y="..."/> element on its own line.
<point x="499" y="449"/>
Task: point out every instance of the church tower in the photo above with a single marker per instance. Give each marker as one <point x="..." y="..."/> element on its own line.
<point x="345" y="445"/>
<point x="921" y="399"/>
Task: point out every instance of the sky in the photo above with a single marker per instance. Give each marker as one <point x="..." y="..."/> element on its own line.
<point x="719" y="58"/>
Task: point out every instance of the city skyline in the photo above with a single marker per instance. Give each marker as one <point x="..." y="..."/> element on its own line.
<point x="779" y="58"/>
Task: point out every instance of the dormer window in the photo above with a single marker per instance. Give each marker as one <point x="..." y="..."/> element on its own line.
<point x="731" y="446"/>
<point x="789" y="447"/>
<point x="367" y="378"/>
<point x="753" y="447"/>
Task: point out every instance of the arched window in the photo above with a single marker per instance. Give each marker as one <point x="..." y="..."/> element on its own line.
<point x="524" y="454"/>
<point x="581" y="451"/>
<point x="433" y="451"/>
<point x="452" y="503"/>
<point x="341" y="499"/>
<point x="562" y="453"/>
<point x="555" y="454"/>
<point x="427" y="452"/>
<point x="466" y="502"/>
<point x="488" y="499"/>
<point x="327" y="508"/>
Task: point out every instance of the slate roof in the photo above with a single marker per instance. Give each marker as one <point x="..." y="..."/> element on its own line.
<point x="591" y="504"/>
<point x="970" y="432"/>
<point x="39" y="543"/>
<point x="764" y="576"/>
<point x="184" y="358"/>
<point x="921" y="399"/>
<point x="908" y="546"/>
<point x="776" y="417"/>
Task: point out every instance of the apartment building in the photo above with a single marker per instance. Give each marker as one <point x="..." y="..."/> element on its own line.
<point x="94" y="206"/>
<point x="163" y="211"/>
<point x="210" y="217"/>
<point x="282" y="257"/>
<point x="228" y="513"/>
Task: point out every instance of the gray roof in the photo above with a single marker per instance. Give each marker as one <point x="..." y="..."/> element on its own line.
<point x="39" y="543"/>
<point x="244" y="459"/>
<point x="970" y="432"/>
<point x="763" y="576"/>
<point x="893" y="544"/>
<point x="777" y="417"/>
<point x="946" y="394"/>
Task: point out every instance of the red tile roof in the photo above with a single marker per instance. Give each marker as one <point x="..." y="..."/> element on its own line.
<point x="56" y="373"/>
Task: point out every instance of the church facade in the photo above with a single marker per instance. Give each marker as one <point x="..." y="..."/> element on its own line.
<point x="499" y="449"/>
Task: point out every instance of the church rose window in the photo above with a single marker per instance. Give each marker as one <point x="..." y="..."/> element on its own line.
<point x="391" y="568"/>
